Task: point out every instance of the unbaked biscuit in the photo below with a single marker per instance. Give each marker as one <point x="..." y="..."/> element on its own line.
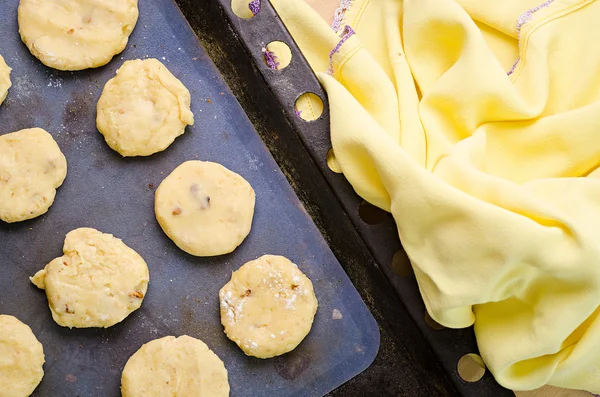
<point x="268" y="307"/>
<point x="143" y="108"/>
<point x="76" y="34"/>
<point x="96" y="283"/>
<point x="205" y="208"/>
<point x="4" y="79"/>
<point x="182" y="367"/>
<point x="32" y="167"/>
<point x="21" y="358"/>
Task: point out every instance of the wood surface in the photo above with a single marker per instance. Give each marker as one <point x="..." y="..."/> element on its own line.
<point x="326" y="9"/>
<point x="549" y="391"/>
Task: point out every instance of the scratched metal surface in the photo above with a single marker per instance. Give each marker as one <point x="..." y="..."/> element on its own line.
<point x="115" y="195"/>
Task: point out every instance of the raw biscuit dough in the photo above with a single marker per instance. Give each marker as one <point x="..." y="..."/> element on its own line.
<point x="205" y="208"/>
<point x="76" y="34"/>
<point x="4" y="79"/>
<point x="32" y="167"/>
<point x="182" y="367"/>
<point x="21" y="358"/>
<point x="268" y="307"/>
<point x="143" y="108"/>
<point x="96" y="283"/>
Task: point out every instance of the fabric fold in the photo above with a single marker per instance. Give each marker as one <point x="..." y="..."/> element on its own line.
<point x="491" y="178"/>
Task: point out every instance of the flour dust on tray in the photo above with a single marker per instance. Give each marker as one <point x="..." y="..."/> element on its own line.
<point x="205" y="208"/>
<point x="21" y="358"/>
<point x="4" y="79"/>
<point x="32" y="167"/>
<point x="268" y="307"/>
<point x="143" y="108"/>
<point x="183" y="367"/>
<point x="76" y="34"/>
<point x="98" y="281"/>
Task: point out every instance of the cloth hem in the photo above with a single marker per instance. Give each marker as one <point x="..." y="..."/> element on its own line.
<point x="528" y="29"/>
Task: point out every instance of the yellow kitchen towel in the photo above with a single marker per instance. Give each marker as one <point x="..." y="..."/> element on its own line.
<point x="476" y="123"/>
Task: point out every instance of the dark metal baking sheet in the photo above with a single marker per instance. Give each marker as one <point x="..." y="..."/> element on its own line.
<point x="380" y="235"/>
<point x="116" y="195"/>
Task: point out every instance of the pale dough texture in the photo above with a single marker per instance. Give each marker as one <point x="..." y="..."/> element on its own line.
<point x="205" y="208"/>
<point x="182" y="367"/>
<point x="143" y="108"/>
<point x="21" y="358"/>
<point x="96" y="283"/>
<point x="4" y="79"/>
<point x="268" y="307"/>
<point x="76" y="34"/>
<point x="32" y="167"/>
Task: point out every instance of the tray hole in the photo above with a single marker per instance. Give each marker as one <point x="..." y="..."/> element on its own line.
<point x="401" y="264"/>
<point x="332" y="162"/>
<point x="371" y="214"/>
<point x="471" y="367"/>
<point x="308" y="106"/>
<point x="434" y="324"/>
<point x="277" y="55"/>
<point x="242" y="8"/>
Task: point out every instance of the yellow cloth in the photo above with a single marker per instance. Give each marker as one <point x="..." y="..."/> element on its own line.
<point x="492" y="179"/>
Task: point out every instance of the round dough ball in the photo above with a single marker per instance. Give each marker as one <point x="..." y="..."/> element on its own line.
<point x="143" y="108"/>
<point x="268" y="307"/>
<point x="4" y="79"/>
<point x="182" y="367"/>
<point x="76" y="34"/>
<point x="32" y="167"/>
<point x="205" y="208"/>
<point x="21" y="358"/>
<point x="96" y="283"/>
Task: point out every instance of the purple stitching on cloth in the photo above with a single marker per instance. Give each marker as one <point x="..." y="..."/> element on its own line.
<point x="254" y="6"/>
<point x="270" y="58"/>
<point x="298" y="112"/>
<point x="522" y="20"/>
<point x="346" y="34"/>
<point x="339" y="14"/>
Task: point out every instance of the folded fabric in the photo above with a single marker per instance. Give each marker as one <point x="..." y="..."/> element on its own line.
<point x="476" y="123"/>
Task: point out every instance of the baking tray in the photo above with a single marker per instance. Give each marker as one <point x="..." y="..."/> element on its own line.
<point x="376" y="228"/>
<point x="116" y="195"/>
